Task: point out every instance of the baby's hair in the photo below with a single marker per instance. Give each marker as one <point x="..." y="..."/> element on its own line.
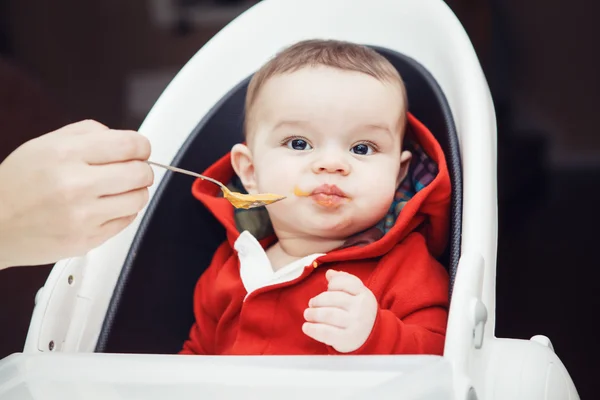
<point x="330" y="53"/>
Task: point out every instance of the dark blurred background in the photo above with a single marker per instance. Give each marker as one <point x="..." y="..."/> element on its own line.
<point x="109" y="60"/>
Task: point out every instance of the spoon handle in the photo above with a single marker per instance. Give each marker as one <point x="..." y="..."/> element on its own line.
<point x="184" y="171"/>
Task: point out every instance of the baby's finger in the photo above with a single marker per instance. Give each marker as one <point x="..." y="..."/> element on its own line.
<point x="331" y="273"/>
<point x="346" y="283"/>
<point x="341" y="300"/>
<point x="328" y="315"/>
<point x="322" y="333"/>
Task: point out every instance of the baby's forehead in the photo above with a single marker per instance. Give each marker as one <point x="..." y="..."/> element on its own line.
<point x="320" y="94"/>
<point x="323" y="74"/>
<point x="304" y="88"/>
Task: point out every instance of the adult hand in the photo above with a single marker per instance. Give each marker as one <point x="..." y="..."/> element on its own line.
<point x="70" y="190"/>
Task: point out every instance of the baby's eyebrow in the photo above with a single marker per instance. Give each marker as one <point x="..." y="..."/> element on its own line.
<point x="303" y="124"/>
<point x="375" y="127"/>
<point x="292" y="124"/>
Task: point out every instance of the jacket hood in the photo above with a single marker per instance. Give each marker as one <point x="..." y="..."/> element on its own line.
<point x="422" y="203"/>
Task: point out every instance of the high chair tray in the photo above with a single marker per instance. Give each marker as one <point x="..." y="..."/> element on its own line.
<point x="90" y="376"/>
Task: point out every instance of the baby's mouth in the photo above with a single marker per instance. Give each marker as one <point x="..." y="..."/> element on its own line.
<point x="329" y="196"/>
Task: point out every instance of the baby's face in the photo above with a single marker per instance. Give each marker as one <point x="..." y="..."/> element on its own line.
<point x="329" y="140"/>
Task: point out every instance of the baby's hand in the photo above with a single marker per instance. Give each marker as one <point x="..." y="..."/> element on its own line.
<point x="343" y="316"/>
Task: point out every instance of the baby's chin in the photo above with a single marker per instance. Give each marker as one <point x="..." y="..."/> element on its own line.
<point x="339" y="228"/>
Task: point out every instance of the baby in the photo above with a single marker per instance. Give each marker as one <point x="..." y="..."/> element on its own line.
<point x="347" y="262"/>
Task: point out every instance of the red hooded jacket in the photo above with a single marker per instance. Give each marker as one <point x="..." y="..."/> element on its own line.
<point x="396" y="260"/>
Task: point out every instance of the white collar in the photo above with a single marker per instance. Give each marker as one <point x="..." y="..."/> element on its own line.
<point x="256" y="270"/>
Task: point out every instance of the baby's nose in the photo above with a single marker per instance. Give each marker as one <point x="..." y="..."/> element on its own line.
<point x="331" y="164"/>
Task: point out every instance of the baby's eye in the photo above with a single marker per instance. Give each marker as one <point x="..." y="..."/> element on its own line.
<point x="362" y="149"/>
<point x="298" y="144"/>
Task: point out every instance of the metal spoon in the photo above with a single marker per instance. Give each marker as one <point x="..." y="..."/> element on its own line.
<point x="238" y="200"/>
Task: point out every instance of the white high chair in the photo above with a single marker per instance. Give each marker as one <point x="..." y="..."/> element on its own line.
<point x="134" y="293"/>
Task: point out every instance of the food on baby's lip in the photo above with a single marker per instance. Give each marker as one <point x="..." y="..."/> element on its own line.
<point x="325" y="195"/>
<point x="299" y="192"/>
<point x="246" y="201"/>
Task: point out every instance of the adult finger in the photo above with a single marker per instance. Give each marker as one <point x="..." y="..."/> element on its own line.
<point x="328" y="315"/>
<point x="110" y="146"/>
<point x="85" y="126"/>
<point x="116" y="178"/>
<point x="345" y="282"/>
<point x="322" y="333"/>
<point x="122" y="205"/>
<point x="337" y="299"/>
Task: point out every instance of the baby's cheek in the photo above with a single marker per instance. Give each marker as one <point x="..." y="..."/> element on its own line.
<point x="378" y="186"/>
<point x="378" y="195"/>
<point x="272" y="178"/>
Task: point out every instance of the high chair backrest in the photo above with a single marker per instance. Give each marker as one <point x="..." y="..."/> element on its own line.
<point x="153" y="265"/>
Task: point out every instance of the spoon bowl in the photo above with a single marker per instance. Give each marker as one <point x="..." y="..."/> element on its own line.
<point x="238" y="200"/>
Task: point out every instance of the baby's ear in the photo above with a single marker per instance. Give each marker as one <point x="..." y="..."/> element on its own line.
<point x="243" y="165"/>
<point x="405" y="158"/>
